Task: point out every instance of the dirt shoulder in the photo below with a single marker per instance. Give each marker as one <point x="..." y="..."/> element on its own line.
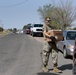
<point x="4" y="33"/>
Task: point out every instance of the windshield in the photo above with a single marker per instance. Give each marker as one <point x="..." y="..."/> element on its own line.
<point x="71" y="35"/>
<point x="38" y="25"/>
<point x="28" y="27"/>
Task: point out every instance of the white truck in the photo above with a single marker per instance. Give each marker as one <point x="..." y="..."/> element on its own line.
<point x="36" y="29"/>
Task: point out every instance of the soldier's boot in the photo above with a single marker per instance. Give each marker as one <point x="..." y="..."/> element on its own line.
<point x="56" y="70"/>
<point x="44" y="69"/>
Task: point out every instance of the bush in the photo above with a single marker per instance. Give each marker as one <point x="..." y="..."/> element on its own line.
<point x="1" y="29"/>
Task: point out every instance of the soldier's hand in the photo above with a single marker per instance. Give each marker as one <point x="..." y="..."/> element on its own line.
<point x="53" y="38"/>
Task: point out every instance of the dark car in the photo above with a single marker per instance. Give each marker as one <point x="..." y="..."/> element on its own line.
<point x="27" y="30"/>
<point x="14" y="30"/>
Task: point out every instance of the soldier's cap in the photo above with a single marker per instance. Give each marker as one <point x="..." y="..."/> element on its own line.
<point x="48" y="18"/>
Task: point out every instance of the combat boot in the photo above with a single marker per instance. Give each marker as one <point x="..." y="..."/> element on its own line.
<point x="56" y="70"/>
<point x="44" y="69"/>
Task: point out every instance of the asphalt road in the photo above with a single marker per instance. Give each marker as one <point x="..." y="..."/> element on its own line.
<point x="20" y="55"/>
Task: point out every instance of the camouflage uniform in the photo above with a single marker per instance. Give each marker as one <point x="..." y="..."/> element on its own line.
<point x="49" y="47"/>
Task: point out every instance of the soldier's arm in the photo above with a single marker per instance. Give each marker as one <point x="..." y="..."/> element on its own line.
<point x="45" y="31"/>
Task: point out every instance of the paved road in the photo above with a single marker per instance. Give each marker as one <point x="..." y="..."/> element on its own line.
<point x="20" y="55"/>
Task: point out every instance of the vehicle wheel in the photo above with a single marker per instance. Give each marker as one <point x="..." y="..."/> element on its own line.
<point x="33" y="34"/>
<point x="42" y="35"/>
<point x="65" y="53"/>
<point x="30" y="33"/>
<point x="26" y="32"/>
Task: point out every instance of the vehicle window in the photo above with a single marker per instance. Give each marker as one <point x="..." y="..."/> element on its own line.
<point x="38" y="25"/>
<point x="28" y="27"/>
<point x="71" y="35"/>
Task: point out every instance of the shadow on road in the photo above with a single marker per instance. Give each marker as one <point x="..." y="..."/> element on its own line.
<point x="42" y="73"/>
<point x="65" y="67"/>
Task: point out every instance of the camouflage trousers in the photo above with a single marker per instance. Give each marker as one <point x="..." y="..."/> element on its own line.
<point x="47" y="49"/>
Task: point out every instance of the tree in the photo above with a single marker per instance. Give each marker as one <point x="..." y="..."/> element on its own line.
<point x="62" y="15"/>
<point x="24" y="27"/>
<point x="74" y="28"/>
<point x="10" y="29"/>
<point x="65" y="14"/>
<point x="1" y="29"/>
<point x="48" y="11"/>
<point x="45" y="11"/>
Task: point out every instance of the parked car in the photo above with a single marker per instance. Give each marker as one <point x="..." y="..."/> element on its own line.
<point x="36" y="29"/>
<point x="67" y="44"/>
<point x="14" y="30"/>
<point x="27" y="30"/>
<point x="18" y="32"/>
<point x="21" y="31"/>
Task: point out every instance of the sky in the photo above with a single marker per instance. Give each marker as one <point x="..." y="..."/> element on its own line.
<point x="17" y="13"/>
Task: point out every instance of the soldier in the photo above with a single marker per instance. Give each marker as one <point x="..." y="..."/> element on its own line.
<point x="49" y="46"/>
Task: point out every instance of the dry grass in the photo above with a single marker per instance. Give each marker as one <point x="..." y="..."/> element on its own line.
<point x="4" y="32"/>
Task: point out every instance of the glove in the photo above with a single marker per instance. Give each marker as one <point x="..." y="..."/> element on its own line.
<point x="53" y="38"/>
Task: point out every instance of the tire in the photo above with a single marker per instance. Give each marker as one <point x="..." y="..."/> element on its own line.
<point x="33" y="34"/>
<point x="30" y="33"/>
<point x="26" y="32"/>
<point x="65" y="53"/>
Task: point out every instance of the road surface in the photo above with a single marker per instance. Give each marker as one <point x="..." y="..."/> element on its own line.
<point x="20" y="55"/>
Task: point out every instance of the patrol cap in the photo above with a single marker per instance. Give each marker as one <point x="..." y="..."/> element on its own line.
<point x="47" y="18"/>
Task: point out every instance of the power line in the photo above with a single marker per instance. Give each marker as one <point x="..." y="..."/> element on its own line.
<point x="14" y="4"/>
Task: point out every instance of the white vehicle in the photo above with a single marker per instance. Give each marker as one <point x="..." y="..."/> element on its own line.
<point x="19" y="31"/>
<point x="36" y="29"/>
